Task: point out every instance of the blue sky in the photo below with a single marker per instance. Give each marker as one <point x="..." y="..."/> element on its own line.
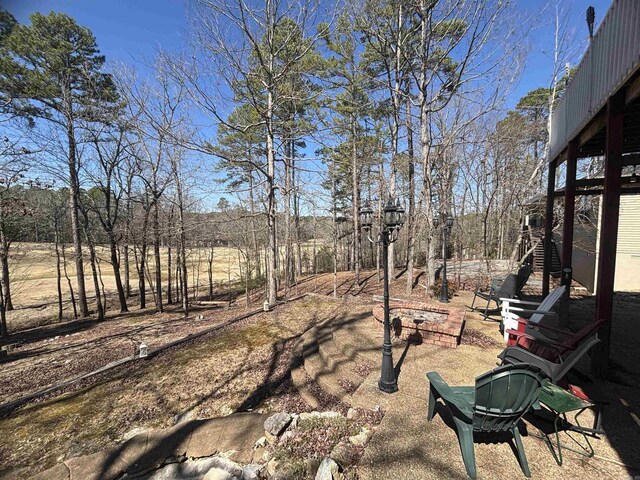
<point x="131" y="30"/>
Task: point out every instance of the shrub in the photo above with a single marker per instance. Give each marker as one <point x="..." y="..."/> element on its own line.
<point x="436" y="288"/>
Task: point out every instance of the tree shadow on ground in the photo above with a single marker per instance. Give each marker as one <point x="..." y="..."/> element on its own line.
<point x="492" y="438"/>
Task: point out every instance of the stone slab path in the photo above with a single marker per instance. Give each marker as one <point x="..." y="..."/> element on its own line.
<point x="233" y="436"/>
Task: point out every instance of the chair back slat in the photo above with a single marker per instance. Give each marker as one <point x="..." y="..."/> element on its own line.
<point x="509" y="287"/>
<point x="549" y="304"/>
<point x="504" y="395"/>
<point x="524" y="272"/>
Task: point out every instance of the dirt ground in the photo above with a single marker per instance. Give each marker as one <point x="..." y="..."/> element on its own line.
<point x="206" y="377"/>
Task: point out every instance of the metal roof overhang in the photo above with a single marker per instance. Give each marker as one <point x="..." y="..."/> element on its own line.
<point x="611" y="62"/>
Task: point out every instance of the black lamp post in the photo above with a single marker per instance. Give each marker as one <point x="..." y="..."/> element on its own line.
<point x="447" y="224"/>
<point x="393" y="219"/>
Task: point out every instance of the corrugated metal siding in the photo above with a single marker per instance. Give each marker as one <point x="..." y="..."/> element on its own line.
<point x="629" y="227"/>
<point x="612" y="57"/>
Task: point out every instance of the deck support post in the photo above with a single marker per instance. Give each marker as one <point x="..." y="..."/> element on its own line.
<point x="548" y="226"/>
<point x="609" y="230"/>
<point x="569" y="210"/>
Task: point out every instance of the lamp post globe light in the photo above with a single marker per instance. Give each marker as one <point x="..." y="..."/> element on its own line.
<point x="447" y="224"/>
<point x="392" y="221"/>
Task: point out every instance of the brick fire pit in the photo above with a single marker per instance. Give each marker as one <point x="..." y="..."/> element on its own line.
<point x="424" y="322"/>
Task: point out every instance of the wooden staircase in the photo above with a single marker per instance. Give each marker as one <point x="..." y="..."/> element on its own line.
<point x="538" y="259"/>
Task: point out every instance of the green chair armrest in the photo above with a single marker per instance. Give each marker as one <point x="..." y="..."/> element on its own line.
<point x="459" y="397"/>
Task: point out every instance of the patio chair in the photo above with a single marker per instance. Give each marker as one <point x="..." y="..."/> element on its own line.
<point x="507" y="289"/>
<point x="496" y="404"/>
<point x="524" y="272"/>
<point x="554" y="357"/>
<point x="526" y="316"/>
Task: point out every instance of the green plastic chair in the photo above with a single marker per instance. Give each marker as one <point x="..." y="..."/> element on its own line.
<point x="496" y="404"/>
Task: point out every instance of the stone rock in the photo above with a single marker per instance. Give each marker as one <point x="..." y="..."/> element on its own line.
<point x="352" y="413"/>
<point x="311" y="466"/>
<point x="184" y="417"/>
<point x="252" y="471"/>
<point x="133" y="432"/>
<point x="59" y="472"/>
<point x="258" y="454"/>
<point x="210" y="468"/>
<point x="328" y="470"/>
<point x="237" y="432"/>
<point x="314" y="415"/>
<point x="361" y="438"/>
<point x="288" y="435"/>
<point x="272" y="466"/>
<point x="271" y="439"/>
<point x="225" y="411"/>
<point x="294" y="421"/>
<point x="277" y="423"/>
<point x="343" y="453"/>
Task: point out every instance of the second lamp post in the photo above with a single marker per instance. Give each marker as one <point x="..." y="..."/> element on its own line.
<point x="393" y="218"/>
<point x="447" y="223"/>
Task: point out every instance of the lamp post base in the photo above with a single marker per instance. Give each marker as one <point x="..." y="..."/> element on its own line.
<point x="444" y="291"/>
<point x="387" y="382"/>
<point x="387" y="387"/>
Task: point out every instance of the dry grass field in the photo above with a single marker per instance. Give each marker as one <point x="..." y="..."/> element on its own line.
<point x="33" y="270"/>
<point x="33" y="279"/>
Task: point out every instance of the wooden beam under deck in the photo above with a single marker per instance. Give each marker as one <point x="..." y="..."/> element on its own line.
<point x="609" y="230"/>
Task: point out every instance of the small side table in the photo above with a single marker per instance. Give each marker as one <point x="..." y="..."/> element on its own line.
<point x="560" y="402"/>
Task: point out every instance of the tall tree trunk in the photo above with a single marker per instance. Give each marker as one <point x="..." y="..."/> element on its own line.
<point x="127" y="275"/>
<point x="169" y="239"/>
<point x="94" y="271"/>
<point x="141" y="264"/>
<point x="56" y="234"/>
<point x="423" y="88"/>
<point x="412" y="193"/>
<point x="74" y="192"/>
<point x="182" y="240"/>
<point x="127" y="237"/>
<point x="254" y="235"/>
<point x="96" y="283"/>
<point x="115" y="262"/>
<point x="335" y="231"/>
<point x="3" y="317"/>
<point x="4" y="258"/>
<point x="169" y="273"/>
<point x="272" y="251"/>
<point x="210" y="271"/>
<point x="142" y="289"/>
<point x="288" y="254"/>
<point x="156" y="255"/>
<point x="66" y="274"/>
<point x="296" y="219"/>
<point x="355" y="200"/>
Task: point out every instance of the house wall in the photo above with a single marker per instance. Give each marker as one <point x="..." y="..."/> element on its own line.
<point x="585" y="247"/>
<point x="628" y="255"/>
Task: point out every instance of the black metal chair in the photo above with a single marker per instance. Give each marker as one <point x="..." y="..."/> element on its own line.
<point x="509" y="288"/>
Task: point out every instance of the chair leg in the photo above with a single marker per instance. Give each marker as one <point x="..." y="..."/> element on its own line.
<point x="486" y="309"/>
<point x="465" y="437"/>
<point x="521" y="455"/>
<point x="433" y="398"/>
<point x="475" y="295"/>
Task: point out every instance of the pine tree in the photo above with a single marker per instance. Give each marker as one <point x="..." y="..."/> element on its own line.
<point x="52" y="71"/>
